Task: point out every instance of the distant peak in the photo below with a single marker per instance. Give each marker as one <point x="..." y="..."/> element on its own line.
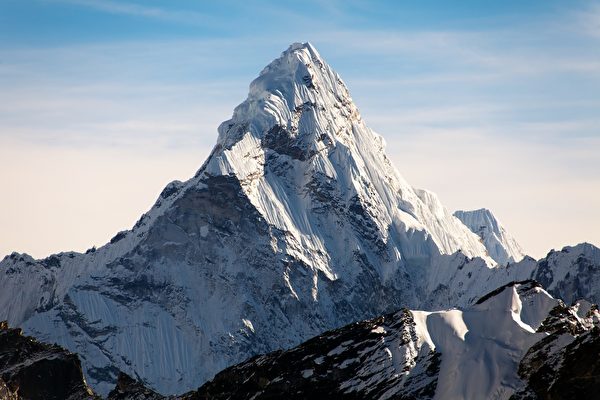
<point x="479" y="213"/>
<point x="501" y="246"/>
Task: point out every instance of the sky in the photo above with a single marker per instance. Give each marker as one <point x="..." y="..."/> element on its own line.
<point x="487" y="103"/>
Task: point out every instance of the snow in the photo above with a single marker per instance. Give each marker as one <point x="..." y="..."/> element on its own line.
<point x="204" y="231"/>
<point x="248" y="324"/>
<point x="379" y="329"/>
<point x="500" y="244"/>
<point x="274" y="99"/>
<point x="307" y="373"/>
<point x="338" y="350"/>
<point x="486" y="340"/>
<point x="297" y="221"/>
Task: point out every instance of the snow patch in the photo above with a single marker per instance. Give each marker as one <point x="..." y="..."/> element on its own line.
<point x="307" y="373"/>
<point x="248" y="324"/>
<point x="204" y="231"/>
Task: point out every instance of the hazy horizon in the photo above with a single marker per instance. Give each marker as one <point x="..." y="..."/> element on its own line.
<point x="489" y="106"/>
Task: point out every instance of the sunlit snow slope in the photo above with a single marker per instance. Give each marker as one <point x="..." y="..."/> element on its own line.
<point x="500" y="244"/>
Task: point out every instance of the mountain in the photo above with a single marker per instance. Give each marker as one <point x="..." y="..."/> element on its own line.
<point x="571" y="274"/>
<point x="297" y="223"/>
<point x="500" y="244"/>
<point x="516" y="342"/>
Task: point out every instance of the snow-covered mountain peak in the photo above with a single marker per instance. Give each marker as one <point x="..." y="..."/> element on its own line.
<point x="300" y="149"/>
<point x="297" y="99"/>
<point x="500" y="244"/>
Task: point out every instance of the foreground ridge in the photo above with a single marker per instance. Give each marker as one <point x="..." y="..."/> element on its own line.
<point x="502" y="344"/>
<point x="516" y="342"/>
<point x="32" y="370"/>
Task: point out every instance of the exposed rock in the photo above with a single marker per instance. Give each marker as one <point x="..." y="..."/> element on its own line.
<point x="128" y="388"/>
<point x="32" y="370"/>
<point x="369" y="359"/>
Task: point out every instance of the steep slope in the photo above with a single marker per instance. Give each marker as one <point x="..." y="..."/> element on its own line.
<point x="572" y="273"/>
<point x="487" y="351"/>
<point x="501" y="246"/>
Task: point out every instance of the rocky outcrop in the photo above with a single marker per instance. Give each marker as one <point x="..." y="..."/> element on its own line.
<point x="562" y="366"/>
<point x="32" y="370"/>
<point x="128" y="388"/>
<point x="369" y="359"/>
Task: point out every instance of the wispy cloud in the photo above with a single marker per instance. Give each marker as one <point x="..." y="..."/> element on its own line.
<point x="589" y="19"/>
<point x="143" y="11"/>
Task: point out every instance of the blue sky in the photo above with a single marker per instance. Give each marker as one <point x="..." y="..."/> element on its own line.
<point x="488" y="103"/>
<point x="68" y="21"/>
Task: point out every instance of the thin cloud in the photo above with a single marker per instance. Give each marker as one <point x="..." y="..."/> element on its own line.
<point x="137" y="10"/>
<point x="589" y="20"/>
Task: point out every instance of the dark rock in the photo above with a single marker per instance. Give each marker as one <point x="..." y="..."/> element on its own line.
<point x="118" y="236"/>
<point x="553" y="370"/>
<point x="128" y="388"/>
<point x="33" y="370"/>
<point x="345" y="363"/>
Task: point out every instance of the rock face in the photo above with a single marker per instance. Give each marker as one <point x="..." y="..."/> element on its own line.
<point x="128" y="388"/>
<point x="572" y="273"/>
<point x="32" y="370"/>
<point x="371" y="359"/>
<point x="500" y="244"/>
<point x="570" y="371"/>
<point x="564" y="364"/>
<point x="515" y="342"/>
<point x="297" y="223"/>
